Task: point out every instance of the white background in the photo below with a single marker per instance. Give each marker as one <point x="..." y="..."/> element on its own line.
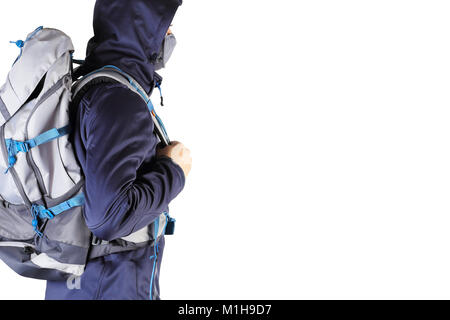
<point x="320" y="136"/>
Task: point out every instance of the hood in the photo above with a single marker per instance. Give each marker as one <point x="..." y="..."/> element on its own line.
<point x="129" y="34"/>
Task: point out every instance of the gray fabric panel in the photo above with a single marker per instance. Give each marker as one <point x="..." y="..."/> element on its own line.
<point x="52" y="113"/>
<point x="15" y="223"/>
<point x="62" y="252"/>
<point x="142" y="235"/>
<point x="3" y="110"/>
<point x="162" y="225"/>
<point x="54" y="202"/>
<point x="18" y="259"/>
<point x="44" y="51"/>
<point x="51" y="202"/>
<point x="69" y="227"/>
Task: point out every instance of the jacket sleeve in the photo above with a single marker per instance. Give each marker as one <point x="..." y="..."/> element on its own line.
<point x="124" y="191"/>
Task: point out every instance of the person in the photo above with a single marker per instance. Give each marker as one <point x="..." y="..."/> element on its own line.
<point x="129" y="179"/>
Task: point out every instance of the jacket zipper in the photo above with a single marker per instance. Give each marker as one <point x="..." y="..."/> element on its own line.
<point x="100" y="282"/>
<point x="155" y="261"/>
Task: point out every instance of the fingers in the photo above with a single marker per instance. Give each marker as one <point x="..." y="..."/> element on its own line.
<point x="187" y="152"/>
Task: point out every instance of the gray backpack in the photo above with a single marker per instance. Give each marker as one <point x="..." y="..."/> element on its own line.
<point x="43" y="233"/>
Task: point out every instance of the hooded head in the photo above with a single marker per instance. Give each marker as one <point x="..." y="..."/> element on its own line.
<point x="129" y="34"/>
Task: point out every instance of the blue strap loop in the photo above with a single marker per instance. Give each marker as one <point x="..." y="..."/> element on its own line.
<point x="41" y="212"/>
<point x="14" y="147"/>
<point x="20" y="43"/>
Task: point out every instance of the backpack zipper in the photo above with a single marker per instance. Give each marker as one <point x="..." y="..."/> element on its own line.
<point x="29" y="156"/>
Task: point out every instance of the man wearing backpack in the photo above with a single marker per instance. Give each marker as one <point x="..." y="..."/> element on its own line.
<point x="129" y="179"/>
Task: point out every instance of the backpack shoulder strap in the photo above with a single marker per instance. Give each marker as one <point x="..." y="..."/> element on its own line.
<point x="114" y="74"/>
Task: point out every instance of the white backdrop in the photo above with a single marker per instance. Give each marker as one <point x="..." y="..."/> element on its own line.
<point x="320" y="136"/>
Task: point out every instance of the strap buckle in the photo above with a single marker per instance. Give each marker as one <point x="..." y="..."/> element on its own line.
<point x="98" y="242"/>
<point x="22" y="146"/>
<point x="14" y="147"/>
<point x="42" y="212"/>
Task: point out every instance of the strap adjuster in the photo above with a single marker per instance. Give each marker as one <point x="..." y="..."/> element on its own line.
<point x="46" y="214"/>
<point x="19" y="146"/>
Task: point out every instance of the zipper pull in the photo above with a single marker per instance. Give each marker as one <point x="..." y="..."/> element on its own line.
<point x="18" y="43"/>
<point x="160" y="93"/>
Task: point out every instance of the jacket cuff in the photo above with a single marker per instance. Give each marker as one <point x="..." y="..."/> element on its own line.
<point x="176" y="169"/>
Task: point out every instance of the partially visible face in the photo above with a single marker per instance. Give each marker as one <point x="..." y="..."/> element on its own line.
<point x="166" y="51"/>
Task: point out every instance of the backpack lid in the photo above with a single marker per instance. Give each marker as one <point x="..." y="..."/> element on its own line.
<point x="39" y="52"/>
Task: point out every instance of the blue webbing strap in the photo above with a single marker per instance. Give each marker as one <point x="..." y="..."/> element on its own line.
<point x="14" y="147"/>
<point x="38" y="211"/>
<point x="48" y="136"/>
<point x="66" y="205"/>
<point x="161" y="124"/>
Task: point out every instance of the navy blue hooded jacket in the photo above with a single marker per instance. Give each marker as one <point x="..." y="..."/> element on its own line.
<point x="127" y="187"/>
